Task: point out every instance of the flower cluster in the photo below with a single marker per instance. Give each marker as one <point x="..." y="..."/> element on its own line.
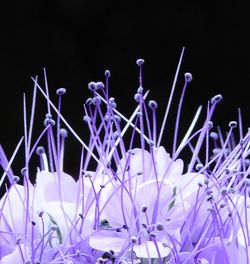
<point x="138" y="204"/>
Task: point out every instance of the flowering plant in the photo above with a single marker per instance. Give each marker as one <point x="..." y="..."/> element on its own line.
<point x="138" y="205"/>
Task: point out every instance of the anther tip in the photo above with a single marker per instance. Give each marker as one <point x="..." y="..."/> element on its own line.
<point x="107" y="73"/>
<point x="152" y="104"/>
<point x="40" y="150"/>
<point x="60" y="91"/>
<point x="216" y="99"/>
<point x="139" y="62"/>
<point x="188" y="77"/>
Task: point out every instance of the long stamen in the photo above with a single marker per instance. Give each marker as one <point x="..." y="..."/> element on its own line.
<point x="170" y="99"/>
<point x="7" y="165"/>
<point x="59" y="92"/>
<point x="32" y="115"/>
<point x="188" y="79"/>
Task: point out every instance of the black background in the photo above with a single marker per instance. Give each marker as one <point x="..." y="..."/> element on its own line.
<point x="76" y="41"/>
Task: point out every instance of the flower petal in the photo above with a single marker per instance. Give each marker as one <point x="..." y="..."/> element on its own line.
<point x="64" y="216"/>
<point x="166" y="167"/>
<point x="105" y="241"/>
<point x="150" y="249"/>
<point x="216" y="252"/>
<point x="151" y="189"/>
<point x="118" y="209"/>
<point x="188" y="184"/>
<point x="137" y="162"/>
<point x="47" y="186"/>
<point x="5" y="249"/>
<point x="13" y="215"/>
<point x="15" y="256"/>
<point x="184" y="257"/>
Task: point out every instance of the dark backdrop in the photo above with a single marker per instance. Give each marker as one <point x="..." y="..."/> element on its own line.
<point x="77" y="40"/>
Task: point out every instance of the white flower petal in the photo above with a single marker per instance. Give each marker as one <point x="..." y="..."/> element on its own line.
<point x="149" y="250"/>
<point x="147" y="194"/>
<point x="105" y="241"/>
<point x="63" y="215"/>
<point x="118" y="207"/>
<point x="15" y="256"/>
<point x="135" y="164"/>
<point x="14" y="211"/>
<point x="47" y="187"/>
<point x="184" y="257"/>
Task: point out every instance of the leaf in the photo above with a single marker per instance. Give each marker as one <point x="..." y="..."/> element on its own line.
<point x="104" y="224"/>
<point x="58" y="232"/>
<point x="172" y="203"/>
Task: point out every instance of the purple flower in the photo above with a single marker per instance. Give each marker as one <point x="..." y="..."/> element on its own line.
<point x="49" y="220"/>
<point x="138" y="204"/>
<point x="147" y="202"/>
